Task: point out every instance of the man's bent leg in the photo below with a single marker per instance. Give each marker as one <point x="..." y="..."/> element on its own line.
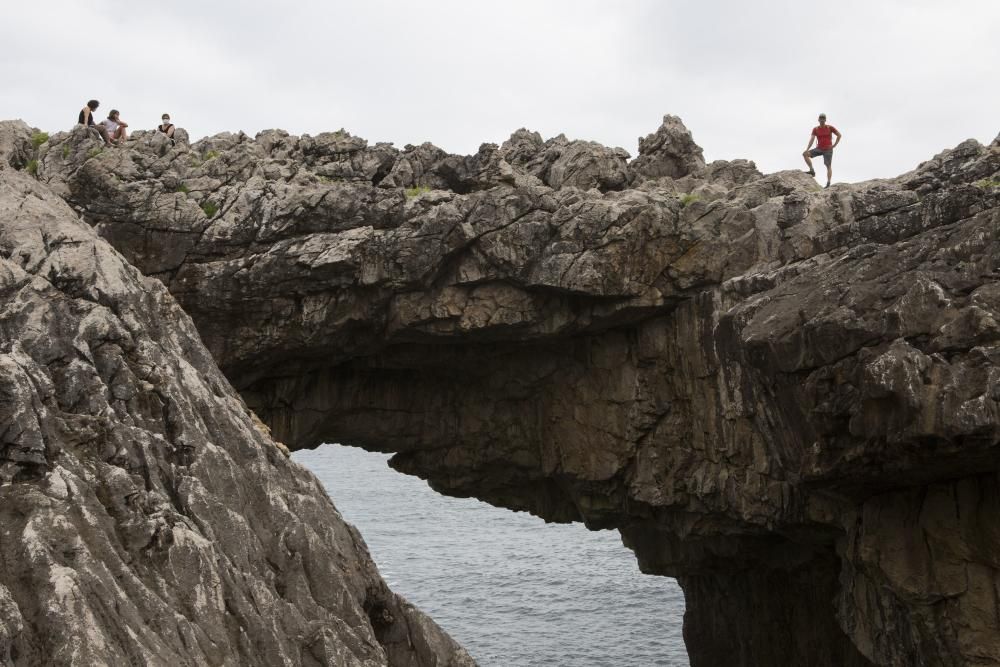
<point x="805" y="156"/>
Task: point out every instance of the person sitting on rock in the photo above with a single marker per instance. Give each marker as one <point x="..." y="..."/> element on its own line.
<point x="116" y="127"/>
<point x="822" y="135"/>
<point x="166" y="127"/>
<point x="86" y="119"/>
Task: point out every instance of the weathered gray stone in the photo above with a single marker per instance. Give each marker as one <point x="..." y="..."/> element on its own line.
<point x="415" y="168"/>
<point x="560" y="162"/>
<point x="776" y="393"/>
<point x="146" y="516"/>
<point x="15" y="144"/>
<point x="670" y="152"/>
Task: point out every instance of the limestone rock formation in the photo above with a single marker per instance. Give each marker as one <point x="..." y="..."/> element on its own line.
<point x="145" y="517"/>
<point x="786" y="397"/>
<point x="670" y="151"/>
<point x="15" y="144"/>
<point x="560" y="162"/>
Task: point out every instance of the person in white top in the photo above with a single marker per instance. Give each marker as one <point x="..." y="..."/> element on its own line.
<point x="116" y="127"/>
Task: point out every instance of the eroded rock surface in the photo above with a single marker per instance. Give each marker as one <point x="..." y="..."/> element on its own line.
<point x="785" y="397"/>
<point x="145" y="517"/>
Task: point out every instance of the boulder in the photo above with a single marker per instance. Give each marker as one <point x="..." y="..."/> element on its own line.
<point x="670" y="152"/>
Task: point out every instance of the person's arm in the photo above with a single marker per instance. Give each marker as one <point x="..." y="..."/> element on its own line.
<point x="812" y="138"/>
<point x="838" y="137"/>
<point x="122" y="123"/>
<point x="170" y="131"/>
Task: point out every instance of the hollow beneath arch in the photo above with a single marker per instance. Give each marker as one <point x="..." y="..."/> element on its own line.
<point x="511" y="588"/>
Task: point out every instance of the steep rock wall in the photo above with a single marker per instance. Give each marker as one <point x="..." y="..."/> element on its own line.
<point x="783" y="396"/>
<point x="146" y="517"/>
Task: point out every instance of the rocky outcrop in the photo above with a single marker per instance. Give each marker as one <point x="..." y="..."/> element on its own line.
<point x="670" y="152"/>
<point x="146" y="516"/>
<point x="16" y="149"/>
<point x="784" y="396"/>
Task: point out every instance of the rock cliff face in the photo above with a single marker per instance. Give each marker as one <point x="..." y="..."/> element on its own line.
<point x="146" y="518"/>
<point x="785" y="397"/>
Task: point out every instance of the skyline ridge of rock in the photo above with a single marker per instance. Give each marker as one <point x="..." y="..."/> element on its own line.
<point x="786" y="397"/>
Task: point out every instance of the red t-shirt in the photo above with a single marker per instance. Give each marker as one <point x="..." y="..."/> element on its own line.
<point x="824" y="136"/>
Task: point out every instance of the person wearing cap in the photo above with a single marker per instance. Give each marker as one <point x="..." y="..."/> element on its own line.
<point x="166" y="127"/>
<point x="822" y="134"/>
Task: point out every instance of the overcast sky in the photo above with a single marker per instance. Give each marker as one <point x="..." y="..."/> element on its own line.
<point x="901" y="79"/>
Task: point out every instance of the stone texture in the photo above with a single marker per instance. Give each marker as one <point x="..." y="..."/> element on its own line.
<point x="146" y="516"/>
<point x="560" y="162"/>
<point x="670" y="151"/>
<point x="784" y="396"/>
<point x="15" y="143"/>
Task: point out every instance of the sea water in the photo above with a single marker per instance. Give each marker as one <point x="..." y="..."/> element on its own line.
<point x="513" y="590"/>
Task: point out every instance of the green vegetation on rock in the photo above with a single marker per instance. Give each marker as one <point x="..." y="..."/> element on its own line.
<point x="689" y="198"/>
<point x="416" y="191"/>
<point x="39" y="138"/>
<point x="210" y="209"/>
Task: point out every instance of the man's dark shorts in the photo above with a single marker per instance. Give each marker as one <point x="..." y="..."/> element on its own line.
<point x="827" y="154"/>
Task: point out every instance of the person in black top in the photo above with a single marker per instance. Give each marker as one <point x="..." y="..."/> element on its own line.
<point x="86" y="119"/>
<point x="166" y="127"/>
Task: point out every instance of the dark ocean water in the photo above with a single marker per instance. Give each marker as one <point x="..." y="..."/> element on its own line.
<point x="515" y="591"/>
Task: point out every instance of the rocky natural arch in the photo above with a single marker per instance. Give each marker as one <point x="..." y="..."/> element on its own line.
<point x="785" y="397"/>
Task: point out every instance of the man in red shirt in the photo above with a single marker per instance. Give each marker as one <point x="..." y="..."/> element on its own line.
<point x="822" y="134"/>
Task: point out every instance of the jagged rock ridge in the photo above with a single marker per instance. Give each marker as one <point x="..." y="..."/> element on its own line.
<point x="146" y="518"/>
<point x="785" y="397"/>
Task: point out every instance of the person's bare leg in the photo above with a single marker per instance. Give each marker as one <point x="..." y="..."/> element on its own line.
<point x="805" y="156"/>
<point x="829" y="174"/>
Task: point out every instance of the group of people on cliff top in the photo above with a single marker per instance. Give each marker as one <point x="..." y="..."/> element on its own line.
<point x="113" y="129"/>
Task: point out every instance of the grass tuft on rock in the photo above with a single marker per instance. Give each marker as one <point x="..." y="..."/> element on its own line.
<point x="688" y="198"/>
<point x="210" y="209"/>
<point x="32" y="167"/>
<point x="416" y="191"/>
<point x="39" y="138"/>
